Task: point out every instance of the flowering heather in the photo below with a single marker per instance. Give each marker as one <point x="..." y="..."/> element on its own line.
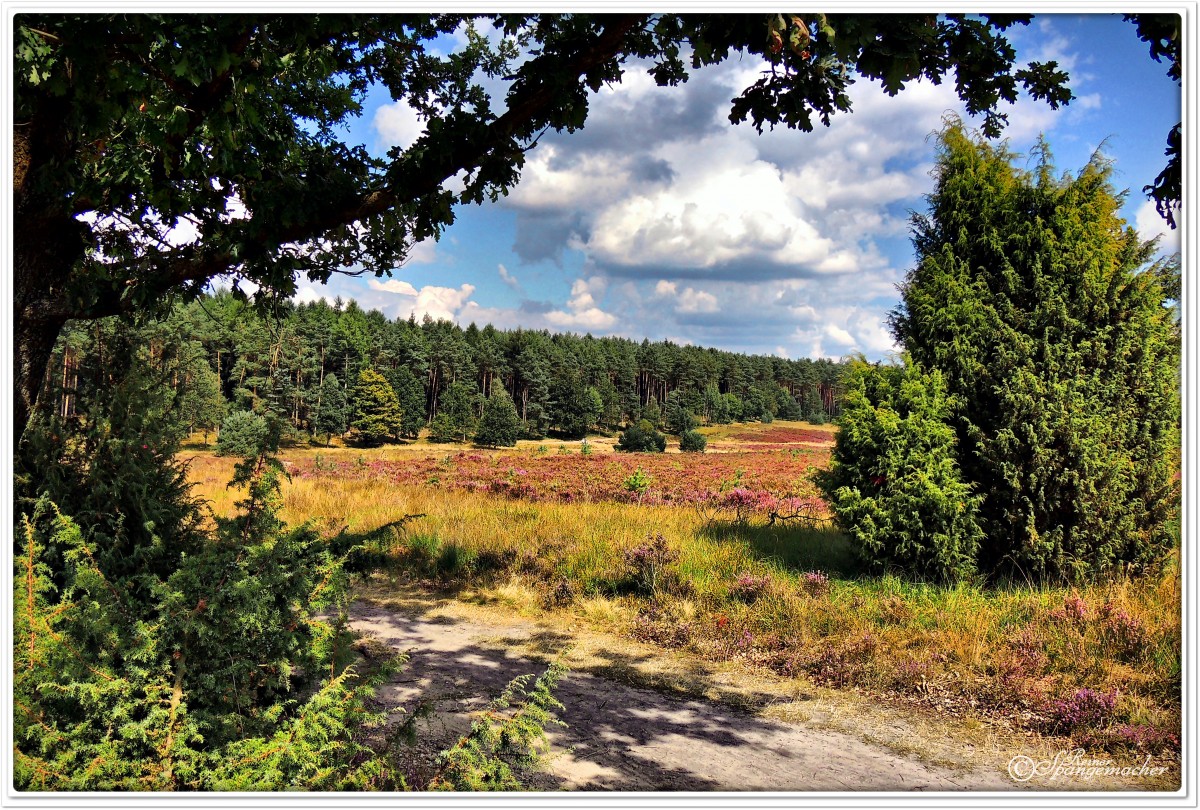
<point x="1085" y="709"/>
<point x="784" y="435"/>
<point x="771" y="481"/>
<point x="749" y="587"/>
<point x="648" y="561"/>
<point x="1074" y="610"/>
<point x="814" y="583"/>
<point x="1125" y="633"/>
<point x="1145" y="738"/>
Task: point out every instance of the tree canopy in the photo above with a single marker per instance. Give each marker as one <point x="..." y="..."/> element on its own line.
<point x="154" y="153"/>
<point x="1040" y="310"/>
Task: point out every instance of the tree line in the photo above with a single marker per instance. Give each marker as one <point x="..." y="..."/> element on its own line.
<point x="308" y="365"/>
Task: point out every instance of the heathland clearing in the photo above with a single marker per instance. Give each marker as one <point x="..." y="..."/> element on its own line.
<point x="554" y="537"/>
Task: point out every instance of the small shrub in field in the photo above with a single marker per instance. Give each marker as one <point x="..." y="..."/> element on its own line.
<point x="845" y="663"/>
<point x="1073" y="612"/>
<point x="242" y="434"/>
<point x="637" y="483"/>
<point x="692" y="441"/>
<point x="642" y="438"/>
<point x="561" y="594"/>
<point x="911" y="675"/>
<point x="649" y="561"/>
<point x="1125" y="635"/>
<point x="749" y="587"/>
<point x="1086" y="709"/>
<point x="894" y="610"/>
<point x="585" y="447"/>
<point x="1141" y="737"/>
<point x="814" y="583"/>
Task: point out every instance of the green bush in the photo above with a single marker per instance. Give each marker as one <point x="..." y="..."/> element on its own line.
<point x="692" y="441"/>
<point x="642" y="438"/>
<point x="893" y="481"/>
<point x="242" y="434"/>
<point x="500" y="425"/>
<point x="375" y="416"/>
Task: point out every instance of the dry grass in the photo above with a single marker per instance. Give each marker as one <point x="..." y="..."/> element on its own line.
<point x="744" y="595"/>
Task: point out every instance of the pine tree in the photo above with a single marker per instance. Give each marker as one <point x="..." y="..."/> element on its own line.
<point x="455" y="421"/>
<point x="1029" y="296"/>
<point x="411" y="395"/>
<point x="331" y="413"/>
<point x="376" y="415"/>
<point x="500" y="425"/>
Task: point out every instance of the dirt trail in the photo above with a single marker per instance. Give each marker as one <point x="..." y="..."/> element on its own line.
<point x="624" y="737"/>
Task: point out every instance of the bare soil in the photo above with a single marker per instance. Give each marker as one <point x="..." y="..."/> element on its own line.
<point x="644" y="719"/>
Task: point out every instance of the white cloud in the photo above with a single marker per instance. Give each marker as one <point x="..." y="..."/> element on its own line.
<point x="507" y="277"/>
<point x="441" y="303"/>
<point x="397" y="124"/>
<point x="394" y="285"/>
<point x="423" y="252"/>
<point x="584" y="312"/>
<point x="1149" y="224"/>
<point x="696" y="301"/>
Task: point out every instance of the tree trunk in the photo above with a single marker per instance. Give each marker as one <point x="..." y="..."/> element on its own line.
<point x="45" y="248"/>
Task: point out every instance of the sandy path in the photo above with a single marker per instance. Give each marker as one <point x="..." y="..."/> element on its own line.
<point x="622" y="737"/>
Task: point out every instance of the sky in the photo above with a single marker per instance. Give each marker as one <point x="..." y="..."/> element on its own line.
<point x="661" y="220"/>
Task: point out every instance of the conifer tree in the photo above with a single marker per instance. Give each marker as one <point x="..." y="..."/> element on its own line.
<point x="455" y="421"/>
<point x="500" y="424"/>
<point x="411" y="395"/>
<point x="331" y="413"/>
<point x="376" y="415"/>
<point x="1031" y="297"/>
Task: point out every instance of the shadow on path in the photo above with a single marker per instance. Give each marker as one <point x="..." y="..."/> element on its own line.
<point x="622" y="737"/>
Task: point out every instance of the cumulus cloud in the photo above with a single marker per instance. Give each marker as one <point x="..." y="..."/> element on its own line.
<point x="392" y="286"/>
<point x="441" y="303"/>
<point x="397" y="124"/>
<point x="696" y="301"/>
<point x="582" y="310"/>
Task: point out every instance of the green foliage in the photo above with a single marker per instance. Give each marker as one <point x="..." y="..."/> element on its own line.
<point x="201" y="406"/>
<point x="242" y="434"/>
<point x="375" y="416"/>
<point x="641" y="438"/>
<point x="331" y="408"/>
<point x="637" y="483"/>
<point x="676" y="416"/>
<point x="510" y="734"/>
<point x="151" y="653"/>
<point x="893" y="482"/>
<point x="692" y="441"/>
<point x="652" y="414"/>
<point x="1029" y="299"/>
<point x="500" y="425"/>
<point x="411" y="395"/>
<point x="455" y="420"/>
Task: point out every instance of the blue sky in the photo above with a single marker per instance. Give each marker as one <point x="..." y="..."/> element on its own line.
<point x="660" y="219"/>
